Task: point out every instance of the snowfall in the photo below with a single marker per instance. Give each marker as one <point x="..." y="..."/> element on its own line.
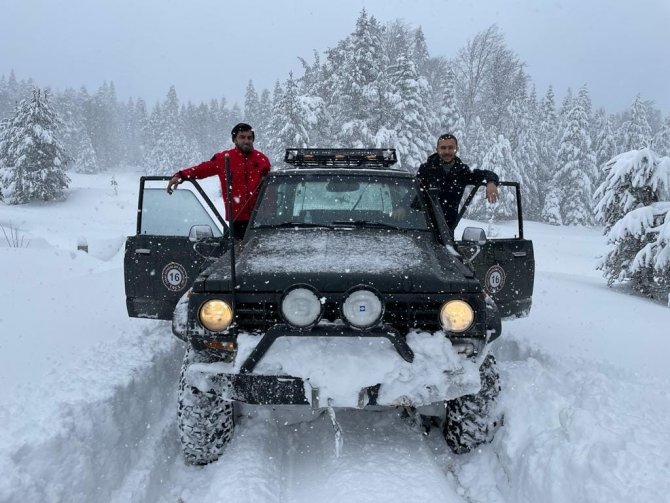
<point x="88" y="395"/>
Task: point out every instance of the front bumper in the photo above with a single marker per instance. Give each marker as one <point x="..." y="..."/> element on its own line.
<point x="333" y="366"/>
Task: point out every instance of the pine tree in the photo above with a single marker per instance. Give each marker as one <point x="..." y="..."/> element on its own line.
<point x="636" y="132"/>
<point x="634" y="204"/>
<point x="33" y="158"/>
<point x="289" y="122"/>
<point x="605" y="142"/>
<point x="251" y="106"/>
<point x="547" y="138"/>
<point x="526" y="153"/>
<point x="275" y="149"/>
<point x="576" y="168"/>
<point x="634" y="179"/>
<point x="171" y="150"/>
<point x="353" y="84"/>
<point x="662" y="138"/>
<point x="450" y="118"/>
<point x="479" y="142"/>
<point x="412" y="128"/>
<point x="500" y="160"/>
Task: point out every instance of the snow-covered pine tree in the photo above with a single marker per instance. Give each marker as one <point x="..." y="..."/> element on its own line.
<point x="171" y="149"/>
<point x="479" y="141"/>
<point x="633" y="204"/>
<point x="289" y="122"/>
<point x="634" y="179"/>
<point x="546" y="125"/>
<point x="104" y="123"/>
<point x="662" y="139"/>
<point x="551" y="210"/>
<point x="636" y="132"/>
<point x="34" y="160"/>
<point x="354" y="84"/>
<point x="526" y="153"/>
<point x="500" y="160"/>
<point x="262" y="140"/>
<point x="75" y="138"/>
<point x="412" y="122"/>
<point x="576" y="167"/>
<point x="252" y="106"/>
<point x="605" y="146"/>
<point x="4" y="129"/>
<point x="275" y="150"/>
<point x="450" y="118"/>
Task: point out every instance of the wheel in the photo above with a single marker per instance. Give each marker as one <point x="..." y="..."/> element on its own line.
<point x="204" y="419"/>
<point x="468" y="423"/>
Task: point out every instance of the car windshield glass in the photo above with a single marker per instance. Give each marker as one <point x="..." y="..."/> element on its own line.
<point x="327" y="200"/>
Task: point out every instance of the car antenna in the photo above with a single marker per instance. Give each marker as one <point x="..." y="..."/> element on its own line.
<point x="231" y="223"/>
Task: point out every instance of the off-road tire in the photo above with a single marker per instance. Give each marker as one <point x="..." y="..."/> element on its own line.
<point x="469" y="422"/>
<point x="204" y="419"/>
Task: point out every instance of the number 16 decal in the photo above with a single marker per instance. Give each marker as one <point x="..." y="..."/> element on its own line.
<point x="174" y="277"/>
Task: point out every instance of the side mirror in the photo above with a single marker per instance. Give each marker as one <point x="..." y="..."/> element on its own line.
<point x="200" y="232"/>
<point x="475" y="234"/>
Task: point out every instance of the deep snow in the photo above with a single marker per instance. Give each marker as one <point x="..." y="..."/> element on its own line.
<point x="88" y="395"/>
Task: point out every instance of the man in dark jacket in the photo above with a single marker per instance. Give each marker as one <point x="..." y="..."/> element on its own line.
<point x="248" y="167"/>
<point x="445" y="172"/>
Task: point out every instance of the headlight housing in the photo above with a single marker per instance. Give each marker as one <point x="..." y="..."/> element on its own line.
<point x="456" y="316"/>
<point x="215" y="315"/>
<point x="362" y="309"/>
<point x="301" y="307"/>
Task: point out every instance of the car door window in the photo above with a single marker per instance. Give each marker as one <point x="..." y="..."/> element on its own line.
<point x="174" y="215"/>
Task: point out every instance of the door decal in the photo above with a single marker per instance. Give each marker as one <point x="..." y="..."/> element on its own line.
<point x="495" y="279"/>
<point x="174" y="277"/>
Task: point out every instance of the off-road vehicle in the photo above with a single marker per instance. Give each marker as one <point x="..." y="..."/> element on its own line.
<point x="348" y="290"/>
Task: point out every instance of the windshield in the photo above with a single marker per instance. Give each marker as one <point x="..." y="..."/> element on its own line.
<point x="340" y="201"/>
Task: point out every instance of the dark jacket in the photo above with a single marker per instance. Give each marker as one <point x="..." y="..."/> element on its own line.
<point x="451" y="182"/>
<point x="247" y="173"/>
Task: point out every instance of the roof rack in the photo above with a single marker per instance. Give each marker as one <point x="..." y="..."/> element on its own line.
<point x="357" y="157"/>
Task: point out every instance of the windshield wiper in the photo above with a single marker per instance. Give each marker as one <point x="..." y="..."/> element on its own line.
<point x="292" y="224"/>
<point x="368" y="223"/>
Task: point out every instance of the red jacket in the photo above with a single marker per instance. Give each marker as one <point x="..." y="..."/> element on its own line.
<point x="247" y="173"/>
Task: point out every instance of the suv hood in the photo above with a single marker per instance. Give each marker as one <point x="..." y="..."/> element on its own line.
<point x="336" y="260"/>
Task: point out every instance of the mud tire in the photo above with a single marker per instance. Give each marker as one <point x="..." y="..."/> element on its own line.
<point x="205" y="420"/>
<point x="471" y="420"/>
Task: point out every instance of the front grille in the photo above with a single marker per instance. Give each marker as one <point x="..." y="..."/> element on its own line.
<point x="402" y="315"/>
<point x="257" y="315"/>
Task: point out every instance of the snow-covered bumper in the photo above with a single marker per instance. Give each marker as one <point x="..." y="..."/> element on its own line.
<point x="327" y="368"/>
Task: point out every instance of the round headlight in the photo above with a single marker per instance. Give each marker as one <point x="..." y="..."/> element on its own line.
<point x="301" y="307"/>
<point x="215" y="315"/>
<point x="456" y="316"/>
<point x="362" y="309"/>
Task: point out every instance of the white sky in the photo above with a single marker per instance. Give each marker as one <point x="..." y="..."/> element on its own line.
<point x="211" y="48"/>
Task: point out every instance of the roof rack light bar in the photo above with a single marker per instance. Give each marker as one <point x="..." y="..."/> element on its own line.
<point x="340" y="156"/>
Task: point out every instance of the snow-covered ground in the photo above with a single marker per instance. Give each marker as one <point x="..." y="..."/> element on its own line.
<point x="88" y="395"/>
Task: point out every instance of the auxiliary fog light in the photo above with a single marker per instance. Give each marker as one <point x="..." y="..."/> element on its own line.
<point x="301" y="307"/>
<point x="215" y="315"/>
<point x="362" y="309"/>
<point x="456" y="316"/>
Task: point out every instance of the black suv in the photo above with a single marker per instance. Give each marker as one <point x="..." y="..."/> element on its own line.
<point x="348" y="290"/>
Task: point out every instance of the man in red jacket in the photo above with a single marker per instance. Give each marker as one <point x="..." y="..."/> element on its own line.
<point x="248" y="167"/>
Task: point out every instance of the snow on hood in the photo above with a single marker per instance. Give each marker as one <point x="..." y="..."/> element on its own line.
<point x="309" y="250"/>
<point x="340" y="367"/>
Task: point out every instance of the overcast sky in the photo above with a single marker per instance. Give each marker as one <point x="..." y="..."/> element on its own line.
<point x="211" y="48"/>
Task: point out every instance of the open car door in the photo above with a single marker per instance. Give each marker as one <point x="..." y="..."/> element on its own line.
<point x="176" y="234"/>
<point x="502" y="258"/>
